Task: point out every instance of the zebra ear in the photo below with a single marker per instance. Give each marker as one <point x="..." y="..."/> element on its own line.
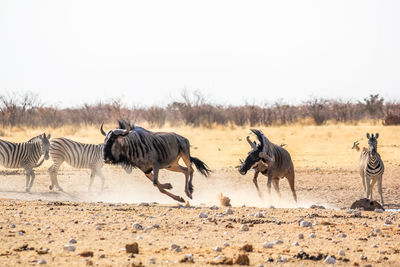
<point x="48" y="136"/>
<point x="376" y="135"/>
<point x="368" y="135"/>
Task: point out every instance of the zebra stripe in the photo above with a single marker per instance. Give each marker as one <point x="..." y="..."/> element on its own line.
<point x="77" y="155"/>
<point x="25" y="155"/>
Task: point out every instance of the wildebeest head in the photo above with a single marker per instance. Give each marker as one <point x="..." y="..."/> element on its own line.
<point x="372" y="143"/>
<point x="257" y="153"/>
<point x="45" y="145"/>
<point x="114" y="147"/>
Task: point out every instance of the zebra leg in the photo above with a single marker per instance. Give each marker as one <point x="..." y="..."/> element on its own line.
<point x="380" y="188"/>
<point x="162" y="190"/>
<point x="275" y="183"/>
<point x="100" y="174"/>
<point x="32" y="179"/>
<point x="256" y="183"/>
<point x="368" y="186"/>
<point x="53" y="177"/>
<point x="373" y="182"/>
<point x="91" y="180"/>
<point x="27" y="175"/>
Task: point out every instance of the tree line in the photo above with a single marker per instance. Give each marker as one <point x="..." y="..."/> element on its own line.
<point x="193" y="109"/>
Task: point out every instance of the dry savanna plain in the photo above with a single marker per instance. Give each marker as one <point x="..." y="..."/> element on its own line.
<point x="132" y="224"/>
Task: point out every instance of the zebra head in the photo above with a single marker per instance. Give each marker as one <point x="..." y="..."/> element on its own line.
<point x="45" y="145"/>
<point x="114" y="150"/>
<point x="372" y="143"/>
<point x="258" y="152"/>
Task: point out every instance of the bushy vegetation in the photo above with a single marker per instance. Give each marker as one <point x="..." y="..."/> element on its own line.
<point x="195" y="110"/>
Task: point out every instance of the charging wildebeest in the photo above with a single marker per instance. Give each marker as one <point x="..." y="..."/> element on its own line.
<point x="272" y="160"/>
<point x="150" y="152"/>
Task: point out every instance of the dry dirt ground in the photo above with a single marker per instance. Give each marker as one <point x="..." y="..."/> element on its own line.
<point x="36" y="226"/>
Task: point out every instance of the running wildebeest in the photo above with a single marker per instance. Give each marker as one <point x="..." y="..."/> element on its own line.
<point x="150" y="152"/>
<point x="271" y="160"/>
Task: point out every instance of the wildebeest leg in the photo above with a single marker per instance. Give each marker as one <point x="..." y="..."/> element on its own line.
<point x="175" y="167"/>
<point x="290" y="178"/>
<point x="162" y="190"/>
<point x="188" y="163"/>
<point x="275" y="183"/>
<point x="380" y="188"/>
<point x="256" y="183"/>
<point x="91" y="180"/>
<point x="164" y="186"/>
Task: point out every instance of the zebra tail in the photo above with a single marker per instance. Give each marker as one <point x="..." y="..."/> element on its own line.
<point x="201" y="166"/>
<point x="39" y="163"/>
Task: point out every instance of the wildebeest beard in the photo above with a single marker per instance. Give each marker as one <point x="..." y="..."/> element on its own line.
<point x="249" y="162"/>
<point x="108" y="156"/>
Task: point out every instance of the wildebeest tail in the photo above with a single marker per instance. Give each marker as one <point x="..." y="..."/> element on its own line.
<point x="201" y="166"/>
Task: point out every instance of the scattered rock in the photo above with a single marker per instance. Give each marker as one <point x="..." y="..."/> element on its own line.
<point x="176" y="248"/>
<point x="12" y="225"/>
<point x="42" y="261"/>
<point x="343" y="235"/>
<point x="132" y="248"/>
<point x="281" y="259"/>
<point x="277" y="242"/>
<point x="388" y="222"/>
<point x="247" y="248"/>
<point x="86" y="254"/>
<point x="229" y="211"/>
<point x="363" y="257"/>
<point x="317" y="207"/>
<point x="225" y="244"/>
<point x="187" y="258"/>
<point x="341" y="252"/>
<point x="217" y="249"/>
<point x="300" y="236"/>
<point x="73" y="241"/>
<point x="295" y="244"/>
<point x="305" y="224"/>
<point x="244" y="228"/>
<point x="366" y="204"/>
<point x="203" y="215"/>
<point x="137" y="226"/>
<point x="222" y="260"/>
<point x="330" y="260"/>
<point x="258" y="215"/>
<point x="152" y="260"/>
<point x="379" y="210"/>
<point x="214" y="208"/>
<point x="42" y="251"/>
<point x="242" y="259"/>
<point x="69" y="248"/>
<point x="268" y="245"/>
<point x="312" y="235"/>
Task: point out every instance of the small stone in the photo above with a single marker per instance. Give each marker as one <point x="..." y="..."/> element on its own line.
<point x="281" y="259"/>
<point x="305" y="224"/>
<point x="203" y="215"/>
<point x="244" y="228"/>
<point x="341" y="252"/>
<point x="137" y="226"/>
<point x="374" y="246"/>
<point x="229" y="211"/>
<point x="27" y="223"/>
<point x="342" y="235"/>
<point x="152" y="260"/>
<point x="312" y="235"/>
<point x="377" y="230"/>
<point x="176" y="248"/>
<point x="388" y="222"/>
<point x="132" y="248"/>
<point x="225" y="244"/>
<point x="295" y="244"/>
<point x="217" y="249"/>
<point x="277" y="242"/>
<point x="148" y="228"/>
<point x="86" y="254"/>
<point x="187" y="258"/>
<point x="300" y="236"/>
<point x="242" y="259"/>
<point x="268" y="245"/>
<point x="362" y="257"/>
<point x="258" y="215"/>
<point x="12" y="225"/>
<point x="330" y="260"/>
<point x="102" y="256"/>
<point x="73" y="241"/>
<point x="98" y="228"/>
<point x="247" y="248"/>
<point x="379" y="210"/>
<point x="69" y="248"/>
<point x="214" y="207"/>
<point x="124" y="228"/>
<point x="42" y="261"/>
<point x="143" y="204"/>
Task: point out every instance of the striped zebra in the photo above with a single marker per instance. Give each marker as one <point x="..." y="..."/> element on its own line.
<point x="25" y="155"/>
<point x="371" y="167"/>
<point x="77" y="155"/>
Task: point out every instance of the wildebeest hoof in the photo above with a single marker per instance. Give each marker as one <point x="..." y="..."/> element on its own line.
<point x="180" y="199"/>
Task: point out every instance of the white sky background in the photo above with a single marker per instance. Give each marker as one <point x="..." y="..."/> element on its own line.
<point x="146" y="52"/>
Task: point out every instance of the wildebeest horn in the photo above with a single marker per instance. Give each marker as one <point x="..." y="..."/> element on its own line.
<point x="101" y="129"/>
<point x="253" y="146"/>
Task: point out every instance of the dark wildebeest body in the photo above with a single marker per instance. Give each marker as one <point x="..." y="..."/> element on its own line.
<point x="271" y="160"/>
<point x="150" y="152"/>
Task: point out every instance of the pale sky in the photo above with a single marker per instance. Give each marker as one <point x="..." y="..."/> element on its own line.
<point x="146" y="52"/>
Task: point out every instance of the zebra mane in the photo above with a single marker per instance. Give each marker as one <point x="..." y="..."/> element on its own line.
<point x="35" y="139"/>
